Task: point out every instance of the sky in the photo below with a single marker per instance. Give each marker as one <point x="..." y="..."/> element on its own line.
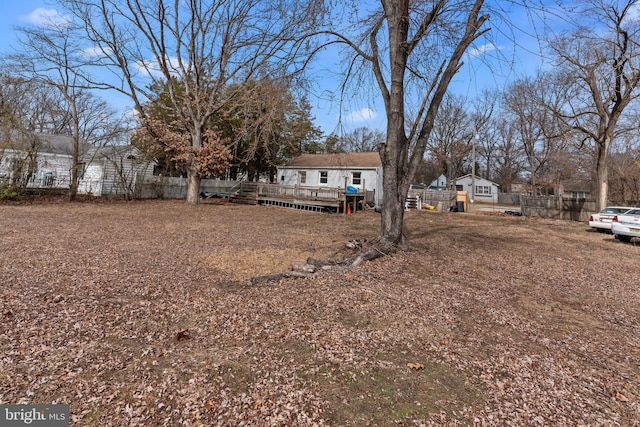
<point x="490" y="64"/>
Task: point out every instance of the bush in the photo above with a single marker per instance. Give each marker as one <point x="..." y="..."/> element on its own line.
<point x="8" y="192"/>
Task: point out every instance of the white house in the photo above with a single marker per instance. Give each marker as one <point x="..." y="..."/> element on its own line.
<point x="440" y="183"/>
<point x="114" y="170"/>
<point x="485" y="191"/>
<point x="45" y="161"/>
<point x="35" y="160"/>
<point x="339" y="170"/>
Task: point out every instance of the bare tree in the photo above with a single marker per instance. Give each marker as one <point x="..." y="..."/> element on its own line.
<point x="509" y="155"/>
<point x="487" y="149"/>
<point x="451" y="138"/>
<point x="413" y="49"/>
<point x="624" y="174"/>
<point x="198" y="49"/>
<point x="600" y="73"/>
<point x="529" y="103"/>
<point x="362" y="139"/>
<point x="51" y="55"/>
<point x="484" y="106"/>
<point x="30" y="105"/>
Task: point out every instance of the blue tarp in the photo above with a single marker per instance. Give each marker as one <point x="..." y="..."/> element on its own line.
<point x="351" y="189"/>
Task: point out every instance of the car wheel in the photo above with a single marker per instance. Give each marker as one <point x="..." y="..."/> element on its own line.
<point x="624" y="238"/>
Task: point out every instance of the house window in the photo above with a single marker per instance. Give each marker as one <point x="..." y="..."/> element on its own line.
<point x="356" y="178"/>
<point x="48" y="179"/>
<point x="302" y="177"/>
<point x="483" y="189"/>
<point x="578" y="194"/>
<point x="458" y="187"/>
<point x="282" y="178"/>
<point x="81" y="169"/>
<point x="324" y="177"/>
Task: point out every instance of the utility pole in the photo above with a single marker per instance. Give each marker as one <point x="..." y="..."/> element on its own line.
<point x="473" y="165"/>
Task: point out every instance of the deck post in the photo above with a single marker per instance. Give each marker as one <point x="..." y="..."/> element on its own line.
<point x="344" y="202"/>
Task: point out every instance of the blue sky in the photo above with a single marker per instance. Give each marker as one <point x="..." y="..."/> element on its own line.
<point x="483" y="69"/>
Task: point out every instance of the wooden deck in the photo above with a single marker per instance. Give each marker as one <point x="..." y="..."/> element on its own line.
<point x="315" y="199"/>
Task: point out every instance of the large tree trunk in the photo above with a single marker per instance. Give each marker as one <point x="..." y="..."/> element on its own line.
<point x="75" y="158"/>
<point x="394" y="153"/>
<point x="193" y="177"/>
<point x="392" y="203"/>
<point x="73" y="185"/>
<point x="193" y="185"/>
<point x="602" y="173"/>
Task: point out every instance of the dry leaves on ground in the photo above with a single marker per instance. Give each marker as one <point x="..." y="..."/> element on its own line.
<point x="144" y="314"/>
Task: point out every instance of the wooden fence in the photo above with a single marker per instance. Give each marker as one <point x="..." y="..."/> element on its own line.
<point x="509" y="198"/>
<point x="558" y="208"/>
<point x="445" y="199"/>
<point x="176" y="188"/>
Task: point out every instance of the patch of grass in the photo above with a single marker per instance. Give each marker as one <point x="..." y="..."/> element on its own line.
<point x="92" y="418"/>
<point x="247" y="262"/>
<point x="390" y="391"/>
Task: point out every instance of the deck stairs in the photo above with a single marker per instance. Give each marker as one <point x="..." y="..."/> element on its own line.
<point x="247" y="193"/>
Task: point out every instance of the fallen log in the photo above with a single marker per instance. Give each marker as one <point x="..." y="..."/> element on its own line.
<point x="321" y="263"/>
<point x="304" y="268"/>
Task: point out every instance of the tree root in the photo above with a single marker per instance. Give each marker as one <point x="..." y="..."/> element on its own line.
<point x="378" y="250"/>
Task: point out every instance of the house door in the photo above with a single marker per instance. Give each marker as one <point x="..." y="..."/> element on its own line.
<point x="302" y="177"/>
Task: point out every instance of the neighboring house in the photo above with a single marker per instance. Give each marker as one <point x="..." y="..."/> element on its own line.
<point x="114" y="170"/>
<point x="36" y="160"/>
<point x="45" y="161"/>
<point x="521" y="188"/>
<point x="339" y="170"/>
<point x="485" y="191"/>
<point x="439" y="184"/>
<point x="575" y="189"/>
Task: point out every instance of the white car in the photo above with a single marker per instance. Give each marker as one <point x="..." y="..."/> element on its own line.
<point x="601" y="221"/>
<point x="627" y="225"/>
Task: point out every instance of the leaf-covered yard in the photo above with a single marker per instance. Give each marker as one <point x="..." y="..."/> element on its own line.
<point x="143" y="313"/>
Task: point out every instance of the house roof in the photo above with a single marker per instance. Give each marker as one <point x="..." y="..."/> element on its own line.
<point x="109" y="151"/>
<point x="477" y="178"/>
<point x="62" y="144"/>
<point x="576" y="185"/>
<point x="42" y="142"/>
<point x="354" y="160"/>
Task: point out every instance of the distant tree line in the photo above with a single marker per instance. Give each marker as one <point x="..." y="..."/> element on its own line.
<point x="521" y="138"/>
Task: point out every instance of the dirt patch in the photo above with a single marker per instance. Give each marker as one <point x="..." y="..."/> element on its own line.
<point x="143" y="313"/>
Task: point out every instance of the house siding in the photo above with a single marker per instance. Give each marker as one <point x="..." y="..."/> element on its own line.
<point x="336" y="178"/>
<point x="107" y="170"/>
<point x="336" y="170"/>
<point x="465" y="183"/>
<point x="121" y="175"/>
<point x="92" y="181"/>
<point x="52" y="170"/>
<point x="370" y="178"/>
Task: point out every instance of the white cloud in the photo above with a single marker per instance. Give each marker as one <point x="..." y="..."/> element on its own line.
<point x="46" y="18"/>
<point x="152" y="69"/>
<point x="94" y="52"/>
<point x="481" y="50"/>
<point x="361" y="115"/>
<point x="633" y="14"/>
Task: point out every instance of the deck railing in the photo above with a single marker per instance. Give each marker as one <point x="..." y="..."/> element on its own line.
<point x="298" y="192"/>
